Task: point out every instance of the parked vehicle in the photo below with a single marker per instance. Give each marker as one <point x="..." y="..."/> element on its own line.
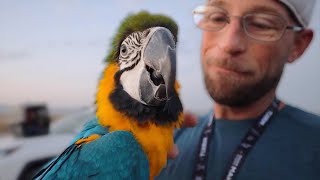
<point x="21" y="157"/>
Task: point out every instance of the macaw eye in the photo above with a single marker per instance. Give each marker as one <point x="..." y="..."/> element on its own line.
<point x="123" y="49"/>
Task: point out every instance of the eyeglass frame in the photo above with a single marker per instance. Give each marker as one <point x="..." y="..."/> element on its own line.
<point x="295" y="28"/>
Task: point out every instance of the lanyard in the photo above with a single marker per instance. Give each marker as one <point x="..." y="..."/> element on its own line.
<point x="242" y="150"/>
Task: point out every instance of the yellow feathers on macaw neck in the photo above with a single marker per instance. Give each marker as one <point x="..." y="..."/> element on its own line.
<point x="156" y="140"/>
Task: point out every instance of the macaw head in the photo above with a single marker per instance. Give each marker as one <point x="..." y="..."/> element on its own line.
<point x="144" y="49"/>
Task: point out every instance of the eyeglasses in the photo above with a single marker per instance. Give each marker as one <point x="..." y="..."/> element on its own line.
<point x="259" y="26"/>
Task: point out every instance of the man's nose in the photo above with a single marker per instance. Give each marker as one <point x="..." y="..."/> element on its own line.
<point x="233" y="38"/>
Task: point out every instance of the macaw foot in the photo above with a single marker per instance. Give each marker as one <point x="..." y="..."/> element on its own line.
<point x="87" y="139"/>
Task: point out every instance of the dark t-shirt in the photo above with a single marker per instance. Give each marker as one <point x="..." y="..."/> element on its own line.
<point x="288" y="149"/>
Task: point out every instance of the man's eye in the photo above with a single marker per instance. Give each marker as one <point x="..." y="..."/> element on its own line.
<point x="263" y="23"/>
<point x="216" y="17"/>
<point x="262" y="26"/>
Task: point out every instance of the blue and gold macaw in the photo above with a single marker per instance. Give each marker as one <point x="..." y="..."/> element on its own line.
<point x="137" y="107"/>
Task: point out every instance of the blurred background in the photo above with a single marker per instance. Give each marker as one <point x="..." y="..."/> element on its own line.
<point x="51" y="56"/>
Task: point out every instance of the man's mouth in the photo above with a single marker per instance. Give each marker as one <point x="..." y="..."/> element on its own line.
<point x="231" y="71"/>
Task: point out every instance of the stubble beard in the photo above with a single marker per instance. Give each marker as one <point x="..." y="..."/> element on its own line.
<point x="233" y="92"/>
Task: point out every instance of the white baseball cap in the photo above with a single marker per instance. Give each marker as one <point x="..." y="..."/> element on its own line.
<point x="302" y="9"/>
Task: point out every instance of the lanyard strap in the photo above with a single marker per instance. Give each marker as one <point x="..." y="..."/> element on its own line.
<point x="203" y="148"/>
<point x="242" y="150"/>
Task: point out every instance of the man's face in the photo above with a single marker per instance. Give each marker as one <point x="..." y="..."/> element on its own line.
<point x="238" y="69"/>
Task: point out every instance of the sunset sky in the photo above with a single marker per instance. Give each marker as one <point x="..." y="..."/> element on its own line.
<point x="53" y="51"/>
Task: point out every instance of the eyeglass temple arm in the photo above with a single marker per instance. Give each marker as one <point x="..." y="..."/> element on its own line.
<point x="295" y="28"/>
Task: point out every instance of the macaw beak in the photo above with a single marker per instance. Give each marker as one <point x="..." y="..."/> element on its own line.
<point x="158" y="78"/>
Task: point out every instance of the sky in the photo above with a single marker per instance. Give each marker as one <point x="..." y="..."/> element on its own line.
<point x="53" y="51"/>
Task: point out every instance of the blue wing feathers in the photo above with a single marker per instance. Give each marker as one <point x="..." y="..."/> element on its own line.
<point x="115" y="155"/>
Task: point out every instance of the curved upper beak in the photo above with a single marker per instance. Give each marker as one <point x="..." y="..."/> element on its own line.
<point x="158" y="79"/>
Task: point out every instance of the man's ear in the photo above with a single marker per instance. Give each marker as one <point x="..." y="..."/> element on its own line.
<point x="301" y="42"/>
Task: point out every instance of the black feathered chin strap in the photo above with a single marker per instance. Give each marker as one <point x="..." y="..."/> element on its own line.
<point x="163" y="114"/>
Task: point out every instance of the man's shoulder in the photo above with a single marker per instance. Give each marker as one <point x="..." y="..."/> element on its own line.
<point x="301" y="117"/>
<point x="300" y="124"/>
<point x="295" y="134"/>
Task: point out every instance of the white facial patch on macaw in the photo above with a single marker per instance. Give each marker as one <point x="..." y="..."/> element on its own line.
<point x="130" y="81"/>
<point x="130" y="58"/>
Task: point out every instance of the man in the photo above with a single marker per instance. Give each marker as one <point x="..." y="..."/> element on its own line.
<point x="250" y="134"/>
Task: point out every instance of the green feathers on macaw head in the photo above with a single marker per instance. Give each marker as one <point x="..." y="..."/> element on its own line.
<point x="139" y="22"/>
<point x="144" y="48"/>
